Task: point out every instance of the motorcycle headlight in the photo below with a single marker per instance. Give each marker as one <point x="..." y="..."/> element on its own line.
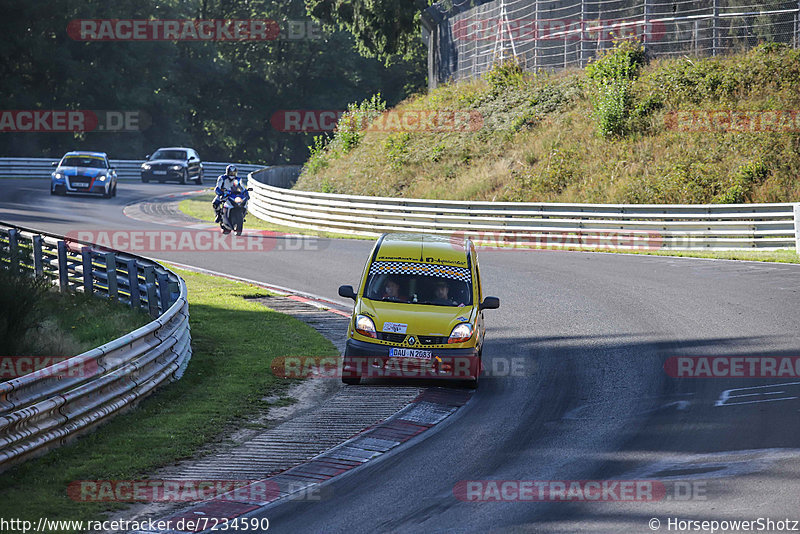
<point x="239" y="200"/>
<point x="461" y="333"/>
<point x="365" y="326"/>
<point x="176" y="167"/>
<point x="146" y="166"/>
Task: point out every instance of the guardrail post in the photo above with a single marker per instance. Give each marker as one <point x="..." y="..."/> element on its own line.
<point x="150" y="289"/>
<point x="63" y="279"/>
<point x="86" y="260"/>
<point x="164" y="291"/>
<point x="38" y="268"/>
<point x="133" y="283"/>
<point x="111" y="275"/>
<point x="797" y="227"/>
<point x="13" y="250"/>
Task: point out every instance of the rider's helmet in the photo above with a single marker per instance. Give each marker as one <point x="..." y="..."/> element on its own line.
<point x="230" y="170"/>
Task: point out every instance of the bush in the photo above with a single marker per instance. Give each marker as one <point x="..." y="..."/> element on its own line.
<point x="20" y="311"/>
<point x="505" y="74"/>
<point x="612" y="74"/>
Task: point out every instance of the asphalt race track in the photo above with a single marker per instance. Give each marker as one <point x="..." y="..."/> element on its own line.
<point x="587" y="398"/>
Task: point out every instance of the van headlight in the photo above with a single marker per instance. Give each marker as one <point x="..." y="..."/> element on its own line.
<point x="365" y="326"/>
<point x="461" y="333"/>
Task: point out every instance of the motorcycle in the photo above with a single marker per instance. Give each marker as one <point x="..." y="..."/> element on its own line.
<point x="234" y="209"/>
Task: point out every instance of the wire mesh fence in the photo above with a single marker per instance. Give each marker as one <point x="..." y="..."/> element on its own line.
<point x="465" y="37"/>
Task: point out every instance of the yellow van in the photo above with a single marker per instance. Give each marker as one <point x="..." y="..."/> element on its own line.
<point x="418" y="312"/>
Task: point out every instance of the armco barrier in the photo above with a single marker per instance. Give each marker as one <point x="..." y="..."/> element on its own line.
<point x="538" y="225"/>
<point x="44" y="409"/>
<point x="127" y="169"/>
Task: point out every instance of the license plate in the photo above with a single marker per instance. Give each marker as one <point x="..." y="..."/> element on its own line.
<point x="80" y="184"/>
<point x="395" y="328"/>
<point x="159" y="172"/>
<point x="410" y="353"/>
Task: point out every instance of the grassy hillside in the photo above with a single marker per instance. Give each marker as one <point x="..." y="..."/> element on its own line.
<point x="602" y="134"/>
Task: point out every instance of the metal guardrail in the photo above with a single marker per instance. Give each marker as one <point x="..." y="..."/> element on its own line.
<point x="539" y="225"/>
<point x="127" y="169"/>
<point x="44" y="409"/>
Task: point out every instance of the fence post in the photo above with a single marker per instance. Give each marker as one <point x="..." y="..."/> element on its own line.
<point x="164" y="291"/>
<point x="714" y="29"/>
<point x="38" y="268"/>
<point x="133" y="282"/>
<point x="582" y="51"/>
<point x="86" y="260"/>
<point x="797" y="228"/>
<point x="63" y="279"/>
<point x="150" y="288"/>
<point x="13" y="250"/>
<point x="536" y="34"/>
<point x="647" y="9"/>
<point x="111" y="274"/>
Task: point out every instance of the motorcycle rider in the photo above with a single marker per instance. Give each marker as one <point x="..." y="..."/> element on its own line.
<point x="225" y="183"/>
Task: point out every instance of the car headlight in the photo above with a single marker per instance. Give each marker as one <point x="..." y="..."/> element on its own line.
<point x="176" y="167"/>
<point x="461" y="333"/>
<point x="58" y="176"/>
<point x="365" y="326"/>
<point x="146" y="166"/>
<point x="102" y="177"/>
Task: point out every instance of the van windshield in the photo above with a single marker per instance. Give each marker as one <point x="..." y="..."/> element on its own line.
<point x="419" y="283"/>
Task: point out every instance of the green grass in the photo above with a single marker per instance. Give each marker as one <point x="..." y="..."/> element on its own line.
<point x="564" y="138"/>
<point x="234" y="340"/>
<point x="200" y="208"/>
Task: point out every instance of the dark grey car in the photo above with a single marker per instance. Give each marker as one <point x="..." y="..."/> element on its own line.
<point x="173" y="163"/>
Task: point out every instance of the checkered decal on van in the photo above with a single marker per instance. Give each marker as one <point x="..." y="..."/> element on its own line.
<point x="425" y="269"/>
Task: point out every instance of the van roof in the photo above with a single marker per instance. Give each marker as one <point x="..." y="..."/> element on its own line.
<point x="424" y="248"/>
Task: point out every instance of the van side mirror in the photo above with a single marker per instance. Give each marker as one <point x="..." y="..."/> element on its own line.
<point x="490" y="303"/>
<point x="347" y="291"/>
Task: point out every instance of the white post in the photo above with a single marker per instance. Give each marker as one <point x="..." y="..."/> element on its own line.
<point x="797" y="228"/>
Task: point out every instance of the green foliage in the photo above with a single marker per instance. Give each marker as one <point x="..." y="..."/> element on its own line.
<point x="316" y="157"/>
<point x="217" y="96"/>
<point x="350" y="129"/>
<point x="20" y="308"/>
<point x="774" y="67"/>
<point x="621" y="62"/>
<point x="613" y="73"/>
<point x="385" y="29"/>
<point x="505" y="74"/>
<point x="747" y="176"/>
<point x="396" y="148"/>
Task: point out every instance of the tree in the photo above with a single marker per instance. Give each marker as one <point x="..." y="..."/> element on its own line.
<point x="385" y="29"/>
